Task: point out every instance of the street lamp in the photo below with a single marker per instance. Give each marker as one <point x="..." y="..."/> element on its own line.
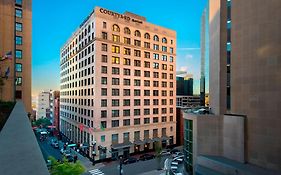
<point x="93" y="151"/>
<point x="120" y="166"/>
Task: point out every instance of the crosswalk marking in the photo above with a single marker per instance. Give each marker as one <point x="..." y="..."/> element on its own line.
<point x="96" y="172"/>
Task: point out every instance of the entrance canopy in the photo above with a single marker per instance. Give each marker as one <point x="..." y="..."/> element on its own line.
<point x="121" y="145"/>
<point x="139" y="142"/>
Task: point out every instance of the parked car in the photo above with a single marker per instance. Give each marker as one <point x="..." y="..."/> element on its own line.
<point x="70" y="158"/>
<point x="147" y="157"/>
<point x="66" y="153"/>
<point x="130" y="160"/>
<point x="61" y="150"/>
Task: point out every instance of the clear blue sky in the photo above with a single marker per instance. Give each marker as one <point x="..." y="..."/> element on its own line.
<point x="55" y="20"/>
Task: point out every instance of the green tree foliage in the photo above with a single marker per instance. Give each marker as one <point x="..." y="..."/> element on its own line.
<point x="158" y="150"/>
<point x="42" y="121"/>
<point x="65" y="167"/>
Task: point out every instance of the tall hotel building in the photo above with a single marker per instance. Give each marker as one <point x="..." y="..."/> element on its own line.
<point x="118" y="85"/>
<point x="242" y="135"/>
<point x="15" y="51"/>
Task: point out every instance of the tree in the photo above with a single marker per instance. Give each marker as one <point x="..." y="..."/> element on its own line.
<point x="42" y="121"/>
<point x="65" y="167"/>
<point x="158" y="150"/>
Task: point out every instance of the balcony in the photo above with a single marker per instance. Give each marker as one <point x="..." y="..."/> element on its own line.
<point x="19" y="150"/>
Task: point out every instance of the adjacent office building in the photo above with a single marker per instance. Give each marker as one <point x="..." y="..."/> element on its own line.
<point x="118" y="84"/>
<point x="15" y="51"/>
<point x="43" y="105"/>
<point x="55" y="108"/>
<point x="242" y="135"/>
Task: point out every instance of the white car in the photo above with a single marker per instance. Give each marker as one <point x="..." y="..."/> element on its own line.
<point x="174" y="163"/>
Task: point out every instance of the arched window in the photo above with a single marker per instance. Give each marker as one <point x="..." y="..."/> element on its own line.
<point x="115" y="28"/>
<point x="156" y="38"/>
<point x="137" y="33"/>
<point x="164" y="40"/>
<point x="127" y="31"/>
<point x="146" y="36"/>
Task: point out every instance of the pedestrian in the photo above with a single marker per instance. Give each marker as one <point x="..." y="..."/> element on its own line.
<point x="75" y="158"/>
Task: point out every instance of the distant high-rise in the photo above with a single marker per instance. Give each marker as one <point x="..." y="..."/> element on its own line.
<point x="184" y="84"/>
<point x="43" y="105"/>
<point x="15" y="51"/>
<point x="204" y="79"/>
<point x="245" y="83"/>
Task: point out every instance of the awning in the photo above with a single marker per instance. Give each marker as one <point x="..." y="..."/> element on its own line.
<point x="71" y="145"/>
<point x="156" y="139"/>
<point x="164" y="138"/>
<point x="121" y="145"/>
<point x="139" y="142"/>
<point x="148" y="140"/>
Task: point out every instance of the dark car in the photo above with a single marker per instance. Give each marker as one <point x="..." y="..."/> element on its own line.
<point x="147" y="157"/>
<point x="130" y="160"/>
<point x="70" y="158"/>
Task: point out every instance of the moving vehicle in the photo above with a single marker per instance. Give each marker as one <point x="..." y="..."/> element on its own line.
<point x="130" y="160"/>
<point x="70" y="158"/>
<point x="147" y="157"/>
<point x="66" y="153"/>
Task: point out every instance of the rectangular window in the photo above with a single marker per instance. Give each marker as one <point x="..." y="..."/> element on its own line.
<point x="137" y="82"/>
<point x="146" y="111"/>
<point x="127" y="51"/>
<point x="104" y="58"/>
<point x="114" y="123"/>
<point x="103" y="113"/>
<point x="103" y="80"/>
<point x="155" y="119"/>
<point x="18" y="40"/>
<point x="103" y="103"/>
<point x="146" y="102"/>
<point x="18" y="27"/>
<point x="115" y="60"/>
<point x="127" y="82"/>
<point x="104" y="47"/>
<point x="104" y="69"/>
<point x="147" y="45"/>
<point x="171" y="59"/>
<point x="114" y="138"/>
<point x="19" y="54"/>
<point x="137" y="102"/>
<point x="137" y="53"/>
<point x="137" y="135"/>
<point x="115" y="81"/>
<point x="137" y="73"/>
<point x="146" y="55"/>
<point x="18" y="67"/>
<point x="137" y="43"/>
<point x="116" y="38"/>
<point x="136" y="121"/>
<point x="103" y="91"/>
<point x="115" y="49"/>
<point x="126" y="112"/>
<point x="103" y="124"/>
<point x="156" y="65"/>
<point x="104" y="35"/>
<point x="164" y="48"/>
<point x="126" y="92"/>
<point x="137" y="63"/>
<point x="18" y="81"/>
<point x="127" y="40"/>
<point x="104" y="25"/>
<point x="102" y="138"/>
<point x="146" y="83"/>
<point x="126" y="102"/>
<point x="115" y="70"/>
<point x="19" y="13"/>
<point x="115" y="102"/>
<point x="126" y="122"/>
<point x="115" y="113"/>
<point x="127" y="72"/>
<point x="155" y="46"/>
<point x="115" y="92"/>
<point x="146" y="120"/>
<point x="127" y="61"/>
<point x="156" y="56"/>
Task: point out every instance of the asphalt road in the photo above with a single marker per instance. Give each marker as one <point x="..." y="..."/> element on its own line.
<point x="48" y="150"/>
